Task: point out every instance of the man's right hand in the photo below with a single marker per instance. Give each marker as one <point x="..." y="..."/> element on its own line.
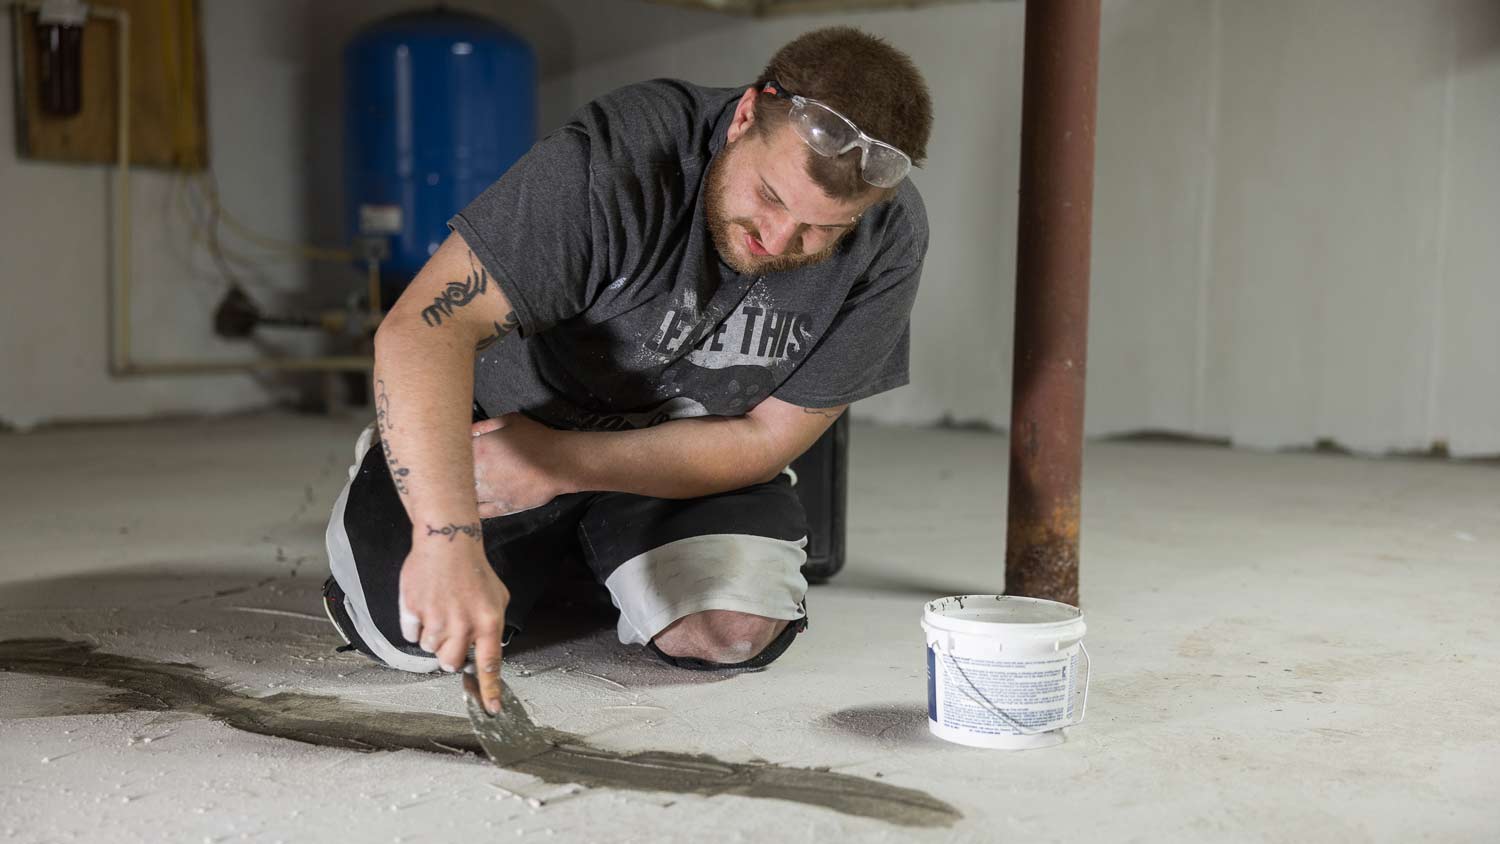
<point x="424" y="394"/>
<point x="451" y="600"/>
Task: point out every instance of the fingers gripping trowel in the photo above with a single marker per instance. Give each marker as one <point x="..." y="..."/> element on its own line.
<point x="508" y="737"/>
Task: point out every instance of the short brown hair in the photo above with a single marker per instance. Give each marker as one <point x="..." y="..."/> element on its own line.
<point x="860" y="76"/>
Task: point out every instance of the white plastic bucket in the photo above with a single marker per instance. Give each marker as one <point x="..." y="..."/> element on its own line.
<point x="1004" y="671"/>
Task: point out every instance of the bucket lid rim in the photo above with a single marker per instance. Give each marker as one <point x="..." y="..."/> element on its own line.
<point x="931" y="613"/>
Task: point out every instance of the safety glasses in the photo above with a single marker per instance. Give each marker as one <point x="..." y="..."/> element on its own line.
<point x="831" y="134"/>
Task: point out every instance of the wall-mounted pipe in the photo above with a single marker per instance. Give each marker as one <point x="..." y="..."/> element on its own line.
<point x="119" y="294"/>
<point x="346" y="363"/>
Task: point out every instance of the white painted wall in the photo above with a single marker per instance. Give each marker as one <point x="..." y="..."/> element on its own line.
<point x="1294" y="217"/>
<point x="1354" y="290"/>
<point x="54" y="243"/>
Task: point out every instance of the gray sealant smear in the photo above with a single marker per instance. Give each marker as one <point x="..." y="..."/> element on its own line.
<point x="551" y="755"/>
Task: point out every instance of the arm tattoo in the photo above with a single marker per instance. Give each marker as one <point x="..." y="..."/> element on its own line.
<point x="399" y="473"/>
<point x="457" y="294"/>
<point x="501" y="329"/>
<point x="825" y="413"/>
<point x="472" y="531"/>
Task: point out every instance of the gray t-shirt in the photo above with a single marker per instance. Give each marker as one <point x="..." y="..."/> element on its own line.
<point x="627" y="316"/>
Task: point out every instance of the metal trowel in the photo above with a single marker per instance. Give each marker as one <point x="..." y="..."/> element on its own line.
<point x="509" y="737"/>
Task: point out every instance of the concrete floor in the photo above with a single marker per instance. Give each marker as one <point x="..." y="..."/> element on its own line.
<point x="1286" y="648"/>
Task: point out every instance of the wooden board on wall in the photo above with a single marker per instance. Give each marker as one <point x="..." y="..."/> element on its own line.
<point x="166" y="90"/>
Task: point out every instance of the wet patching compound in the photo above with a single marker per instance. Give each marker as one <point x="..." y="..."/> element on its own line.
<point x="559" y="757"/>
<point x="1004" y="671"/>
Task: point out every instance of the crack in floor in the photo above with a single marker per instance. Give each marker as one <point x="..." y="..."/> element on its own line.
<point x="561" y="757"/>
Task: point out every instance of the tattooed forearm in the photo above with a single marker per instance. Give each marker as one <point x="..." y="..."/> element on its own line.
<point x="501" y="329"/>
<point x="827" y="413"/>
<point x="457" y="294"/>
<point x="399" y="473"/>
<point x="472" y="531"/>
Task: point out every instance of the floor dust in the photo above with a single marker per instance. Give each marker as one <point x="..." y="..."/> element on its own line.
<point x="558" y="757"/>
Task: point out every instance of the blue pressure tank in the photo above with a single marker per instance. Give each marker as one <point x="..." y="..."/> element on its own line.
<point x="437" y="105"/>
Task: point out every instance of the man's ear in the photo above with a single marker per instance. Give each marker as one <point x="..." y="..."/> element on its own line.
<point x="744" y="115"/>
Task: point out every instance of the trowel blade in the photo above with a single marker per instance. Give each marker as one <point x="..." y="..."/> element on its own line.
<point x="509" y="737"/>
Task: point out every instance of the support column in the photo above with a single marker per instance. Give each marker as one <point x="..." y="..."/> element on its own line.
<point x="1058" y="109"/>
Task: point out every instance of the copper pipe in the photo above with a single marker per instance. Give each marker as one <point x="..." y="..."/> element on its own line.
<point x="1058" y="108"/>
<point x="332" y="363"/>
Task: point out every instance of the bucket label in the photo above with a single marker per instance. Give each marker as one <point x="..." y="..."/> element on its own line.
<point x="931" y="685"/>
<point x="992" y="696"/>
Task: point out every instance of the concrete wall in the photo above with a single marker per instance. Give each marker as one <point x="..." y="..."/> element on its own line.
<point x="1293" y="229"/>
<point x="1354" y="264"/>
<point x="54" y="242"/>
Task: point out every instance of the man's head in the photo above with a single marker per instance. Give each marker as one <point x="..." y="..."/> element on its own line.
<point x="773" y="203"/>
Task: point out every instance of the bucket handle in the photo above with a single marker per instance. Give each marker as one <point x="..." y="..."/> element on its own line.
<point x="973" y="693"/>
<point x="1088" y="664"/>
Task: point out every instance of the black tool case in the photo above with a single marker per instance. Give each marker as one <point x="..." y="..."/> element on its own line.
<point x="823" y="487"/>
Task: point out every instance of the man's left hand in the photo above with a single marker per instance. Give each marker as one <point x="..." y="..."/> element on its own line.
<point x="516" y="463"/>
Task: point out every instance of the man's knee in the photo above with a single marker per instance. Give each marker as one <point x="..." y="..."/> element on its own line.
<point x="721" y="636"/>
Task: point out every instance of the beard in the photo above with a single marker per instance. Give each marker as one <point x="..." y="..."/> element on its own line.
<point x="722" y="228"/>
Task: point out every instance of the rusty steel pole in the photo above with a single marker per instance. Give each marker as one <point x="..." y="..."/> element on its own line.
<point x="1058" y="106"/>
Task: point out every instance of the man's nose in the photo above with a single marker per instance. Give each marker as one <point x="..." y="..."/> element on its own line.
<point x="778" y="233"/>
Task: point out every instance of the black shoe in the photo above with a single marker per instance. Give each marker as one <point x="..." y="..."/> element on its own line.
<point x="333" y="605"/>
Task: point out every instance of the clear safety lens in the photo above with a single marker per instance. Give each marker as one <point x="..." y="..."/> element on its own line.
<point x="827" y="133"/>
<point x="830" y="134"/>
<point x="884" y="165"/>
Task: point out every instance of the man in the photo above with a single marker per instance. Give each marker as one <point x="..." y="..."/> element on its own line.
<point x="701" y="281"/>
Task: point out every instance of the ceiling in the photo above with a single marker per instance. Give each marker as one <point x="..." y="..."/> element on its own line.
<point x="770" y="8"/>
